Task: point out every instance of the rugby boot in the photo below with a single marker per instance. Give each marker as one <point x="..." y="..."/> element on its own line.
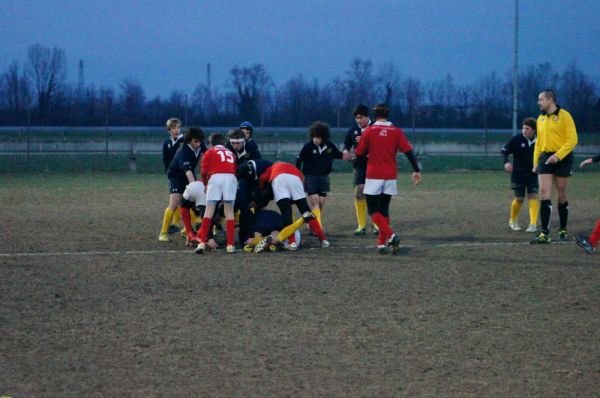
<point x="360" y="231"/>
<point x="325" y="243"/>
<point x="382" y="249"/>
<point x="531" y="228"/>
<point x="562" y="235"/>
<point x="263" y="244"/>
<point x="375" y="230"/>
<point x="201" y="249"/>
<point x="173" y="229"/>
<point x="230" y="249"/>
<point x="394" y="243"/>
<point x="162" y="237"/>
<point x="292" y="247"/>
<point x="192" y="239"/>
<point x="514" y="225"/>
<point x="540" y="239"/>
<point x="583" y="242"/>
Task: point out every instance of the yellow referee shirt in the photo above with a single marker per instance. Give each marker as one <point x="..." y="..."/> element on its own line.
<point x="555" y="133"/>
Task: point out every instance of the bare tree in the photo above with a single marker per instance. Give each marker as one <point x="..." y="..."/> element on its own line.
<point x="389" y="79"/>
<point x="133" y="101"/>
<point x="16" y="90"/>
<point x="360" y="82"/>
<point x="413" y="95"/>
<point x="48" y="69"/>
<point x="251" y="85"/>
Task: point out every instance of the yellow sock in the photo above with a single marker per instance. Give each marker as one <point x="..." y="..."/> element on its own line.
<point x="290" y="229"/>
<point x="193" y="218"/>
<point x="317" y="213"/>
<point x="534" y="210"/>
<point x="256" y="240"/>
<point x="176" y="216"/>
<point x="167" y="220"/>
<point x="361" y="212"/>
<point x="237" y="217"/>
<point x="515" y="207"/>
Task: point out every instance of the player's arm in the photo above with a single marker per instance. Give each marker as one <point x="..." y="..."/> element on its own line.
<point x="571" y="136"/>
<point x="335" y="152"/>
<point x="363" y="144"/>
<point x="593" y="159"/>
<point x="252" y="150"/>
<point x="506" y="151"/>
<point x="204" y="168"/>
<point x="537" y="149"/>
<point x="165" y="155"/>
<point x="301" y="156"/>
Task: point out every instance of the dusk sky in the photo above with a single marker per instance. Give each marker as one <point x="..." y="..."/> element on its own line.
<point x="167" y="44"/>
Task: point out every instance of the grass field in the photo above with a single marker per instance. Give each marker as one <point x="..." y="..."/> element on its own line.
<point x="93" y="305"/>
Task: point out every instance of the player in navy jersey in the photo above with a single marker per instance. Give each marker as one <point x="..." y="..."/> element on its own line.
<point x="522" y="179"/>
<point x="381" y="142"/>
<point x="250" y="145"/>
<point x="315" y="160"/>
<point x="181" y="172"/>
<point x="170" y="146"/>
<point x="359" y="164"/>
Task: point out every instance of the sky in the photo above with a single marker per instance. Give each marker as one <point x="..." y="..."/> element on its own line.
<point x="167" y="44"/>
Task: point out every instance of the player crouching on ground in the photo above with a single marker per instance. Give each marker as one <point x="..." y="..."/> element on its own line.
<point x="218" y="174"/>
<point x="381" y="142"/>
<point x="286" y="181"/>
<point x="521" y="177"/>
<point x="589" y="243"/>
<point x="267" y="222"/>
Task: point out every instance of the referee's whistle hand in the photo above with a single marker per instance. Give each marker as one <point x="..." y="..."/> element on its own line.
<point x="552" y="159"/>
<point x="508" y="167"/>
<point x="416" y="177"/>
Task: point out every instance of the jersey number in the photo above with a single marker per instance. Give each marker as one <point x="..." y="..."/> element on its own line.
<point x="226" y="156"/>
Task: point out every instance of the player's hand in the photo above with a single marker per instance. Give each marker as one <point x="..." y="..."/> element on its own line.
<point x="585" y="163"/>
<point x="534" y="170"/>
<point x="346" y="156"/>
<point x="417" y="178"/>
<point x="212" y="244"/>
<point x="508" y="167"/>
<point x="553" y="159"/>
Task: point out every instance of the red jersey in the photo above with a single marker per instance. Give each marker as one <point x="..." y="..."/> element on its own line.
<point x="277" y="169"/>
<point x="381" y="141"/>
<point x="216" y="160"/>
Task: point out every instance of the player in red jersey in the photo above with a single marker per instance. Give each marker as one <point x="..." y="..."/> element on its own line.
<point x="288" y="188"/>
<point x="218" y="170"/>
<point x="381" y="142"/>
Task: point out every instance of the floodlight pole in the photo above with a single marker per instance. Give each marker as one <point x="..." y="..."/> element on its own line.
<point x="516" y="71"/>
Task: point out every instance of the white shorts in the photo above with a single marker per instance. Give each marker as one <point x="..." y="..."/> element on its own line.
<point x="288" y="186"/>
<point x="194" y="192"/>
<point x="221" y="186"/>
<point x="377" y="187"/>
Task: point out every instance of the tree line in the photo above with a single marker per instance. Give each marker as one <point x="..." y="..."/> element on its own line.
<point x="36" y="92"/>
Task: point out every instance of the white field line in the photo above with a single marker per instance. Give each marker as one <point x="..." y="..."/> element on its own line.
<point x="189" y="251"/>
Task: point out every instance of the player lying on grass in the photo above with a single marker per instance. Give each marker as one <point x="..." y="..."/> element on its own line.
<point x="286" y="182"/>
<point x="267" y="222"/>
<point x="589" y="243"/>
<point x="219" y="175"/>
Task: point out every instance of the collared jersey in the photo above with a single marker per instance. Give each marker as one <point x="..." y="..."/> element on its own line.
<point x="185" y="159"/>
<point x="351" y="141"/>
<point x="380" y="142"/>
<point x="521" y="149"/>
<point x="217" y="160"/>
<point x="317" y="160"/>
<point x="556" y="133"/>
<point x="249" y="152"/>
<point x="169" y="148"/>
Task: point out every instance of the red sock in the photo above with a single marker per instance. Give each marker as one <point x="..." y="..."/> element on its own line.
<point x="595" y="235"/>
<point x="384" y="227"/>
<point x="315" y="227"/>
<point x="230" y="232"/>
<point x="292" y="238"/>
<point x="206" y="225"/>
<point x="187" y="220"/>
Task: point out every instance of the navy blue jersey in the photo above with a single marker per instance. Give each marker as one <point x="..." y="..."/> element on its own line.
<point x="317" y="160"/>
<point x="267" y="221"/>
<point x="185" y="159"/>
<point x="351" y="141"/>
<point x="169" y="148"/>
<point x="249" y="152"/>
<point x="521" y="149"/>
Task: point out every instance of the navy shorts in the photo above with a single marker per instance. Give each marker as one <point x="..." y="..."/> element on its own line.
<point x="360" y="175"/>
<point x="316" y="184"/>
<point x="177" y="185"/>
<point x="564" y="168"/>
<point x="520" y="185"/>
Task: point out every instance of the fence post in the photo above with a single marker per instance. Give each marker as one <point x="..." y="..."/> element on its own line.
<point x="132" y="157"/>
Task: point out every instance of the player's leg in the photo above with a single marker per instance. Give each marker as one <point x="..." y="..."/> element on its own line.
<point x="322" y="200"/>
<point x="360" y="205"/>
<point x="230" y="225"/>
<point x="302" y="205"/>
<point x="545" y="183"/>
<point x="561" y="184"/>
<point x="589" y="243"/>
<point x="515" y="206"/>
<point x="313" y="202"/>
<point x="174" y="200"/>
<point x="392" y="240"/>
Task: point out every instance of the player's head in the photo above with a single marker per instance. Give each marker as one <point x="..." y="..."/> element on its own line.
<point x="247" y="128"/>
<point x="546" y="99"/>
<point x="318" y="132"/>
<point x="361" y="115"/>
<point x="529" y="127"/>
<point x="381" y="111"/>
<point x="236" y="139"/>
<point x="194" y="136"/>
<point x="173" y="126"/>
<point x="216" y="139"/>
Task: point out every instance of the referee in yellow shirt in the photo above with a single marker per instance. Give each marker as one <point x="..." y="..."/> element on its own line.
<point x="553" y="162"/>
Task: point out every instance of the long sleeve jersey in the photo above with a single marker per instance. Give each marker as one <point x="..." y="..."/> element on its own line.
<point x="317" y="160"/>
<point x="556" y="133"/>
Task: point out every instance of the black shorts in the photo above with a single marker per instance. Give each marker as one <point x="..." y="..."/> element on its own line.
<point x="177" y="185"/>
<point x="360" y="175"/>
<point x="564" y="168"/>
<point x="521" y="184"/>
<point x="316" y="184"/>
